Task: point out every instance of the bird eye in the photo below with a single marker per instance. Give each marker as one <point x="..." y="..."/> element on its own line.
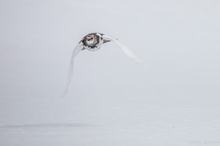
<point x="89" y="38"/>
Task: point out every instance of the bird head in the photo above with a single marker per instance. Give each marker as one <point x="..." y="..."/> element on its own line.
<point x="93" y="41"/>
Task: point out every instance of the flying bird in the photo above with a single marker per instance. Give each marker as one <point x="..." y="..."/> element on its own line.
<point x="93" y="42"/>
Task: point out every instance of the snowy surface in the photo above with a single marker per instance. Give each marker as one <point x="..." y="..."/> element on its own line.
<point x="171" y="99"/>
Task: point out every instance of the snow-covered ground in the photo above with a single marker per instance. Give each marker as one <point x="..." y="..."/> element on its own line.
<point x="171" y="99"/>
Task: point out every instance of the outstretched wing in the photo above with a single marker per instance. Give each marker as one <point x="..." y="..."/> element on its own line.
<point x="124" y="48"/>
<point x="75" y="52"/>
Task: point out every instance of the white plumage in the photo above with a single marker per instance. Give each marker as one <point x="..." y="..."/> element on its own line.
<point x="93" y="42"/>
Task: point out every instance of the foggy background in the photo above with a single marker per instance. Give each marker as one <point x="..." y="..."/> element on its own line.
<point x="172" y="98"/>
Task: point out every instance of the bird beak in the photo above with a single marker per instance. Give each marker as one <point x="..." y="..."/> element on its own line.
<point x="106" y="39"/>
